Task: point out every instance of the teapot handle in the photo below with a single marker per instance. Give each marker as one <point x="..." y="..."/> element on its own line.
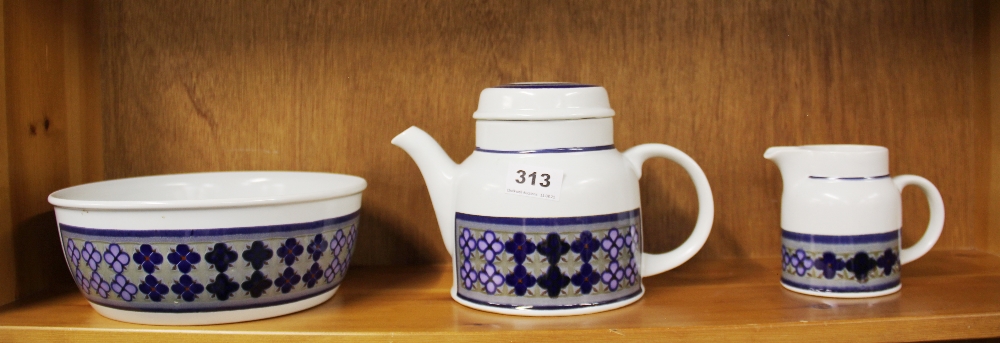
<point x="933" y="232"/>
<point x="653" y="264"/>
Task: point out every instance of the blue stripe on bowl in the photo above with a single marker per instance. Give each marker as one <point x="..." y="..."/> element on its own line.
<point x="211" y="232"/>
<point x="638" y="290"/>
<point x="603" y="218"/>
<point x="858" y="178"/>
<point x="544" y="85"/>
<point x="858" y="289"/>
<point x="855" y="239"/>
<point x="549" y="151"/>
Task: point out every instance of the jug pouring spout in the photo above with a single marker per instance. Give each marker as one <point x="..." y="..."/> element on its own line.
<point x="792" y="161"/>
<point x="439" y="172"/>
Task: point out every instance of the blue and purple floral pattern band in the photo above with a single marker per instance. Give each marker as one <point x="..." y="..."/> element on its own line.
<point x="548" y="263"/>
<point x="840" y="264"/>
<point x="207" y="270"/>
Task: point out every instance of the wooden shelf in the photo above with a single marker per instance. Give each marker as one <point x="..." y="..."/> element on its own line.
<point x="946" y="295"/>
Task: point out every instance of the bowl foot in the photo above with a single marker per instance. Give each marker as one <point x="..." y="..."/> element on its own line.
<point x="214" y="317"/>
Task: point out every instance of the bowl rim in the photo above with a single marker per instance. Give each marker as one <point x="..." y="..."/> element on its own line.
<point x="348" y="185"/>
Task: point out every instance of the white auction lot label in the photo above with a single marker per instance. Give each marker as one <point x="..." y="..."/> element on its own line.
<point x="534" y="181"/>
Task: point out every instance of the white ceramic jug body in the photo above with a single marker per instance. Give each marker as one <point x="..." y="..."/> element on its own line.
<point x="841" y="216"/>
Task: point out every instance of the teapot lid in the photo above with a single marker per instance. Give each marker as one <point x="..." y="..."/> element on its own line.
<point x="543" y="101"/>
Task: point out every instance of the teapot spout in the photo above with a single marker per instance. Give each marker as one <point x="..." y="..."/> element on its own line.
<point x="438" y="171"/>
<point x="793" y="163"/>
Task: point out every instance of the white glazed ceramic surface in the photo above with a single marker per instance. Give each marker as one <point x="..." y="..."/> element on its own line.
<point x="209" y="248"/>
<point x="543" y="101"/>
<point x="841" y="214"/>
<point x="531" y="256"/>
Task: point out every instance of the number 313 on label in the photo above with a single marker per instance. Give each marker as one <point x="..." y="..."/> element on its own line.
<point x="534" y="181"/>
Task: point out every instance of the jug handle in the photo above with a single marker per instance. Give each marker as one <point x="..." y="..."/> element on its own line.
<point x="653" y="264"/>
<point x="933" y="232"/>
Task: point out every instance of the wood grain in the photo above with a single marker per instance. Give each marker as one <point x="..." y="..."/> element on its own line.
<point x="84" y="129"/>
<point x="324" y="86"/>
<point x="993" y="228"/>
<point x="948" y="295"/>
<point x="36" y="113"/>
<point x="8" y="290"/>
<point x="51" y="126"/>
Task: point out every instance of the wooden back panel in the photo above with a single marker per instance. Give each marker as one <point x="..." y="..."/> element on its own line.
<point x="301" y="85"/>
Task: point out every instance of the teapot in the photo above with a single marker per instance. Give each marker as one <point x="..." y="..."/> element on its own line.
<point x="841" y="216"/>
<point x="543" y="218"/>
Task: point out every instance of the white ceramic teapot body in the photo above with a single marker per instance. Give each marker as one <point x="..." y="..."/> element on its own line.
<point x="841" y="215"/>
<point x="544" y="217"/>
